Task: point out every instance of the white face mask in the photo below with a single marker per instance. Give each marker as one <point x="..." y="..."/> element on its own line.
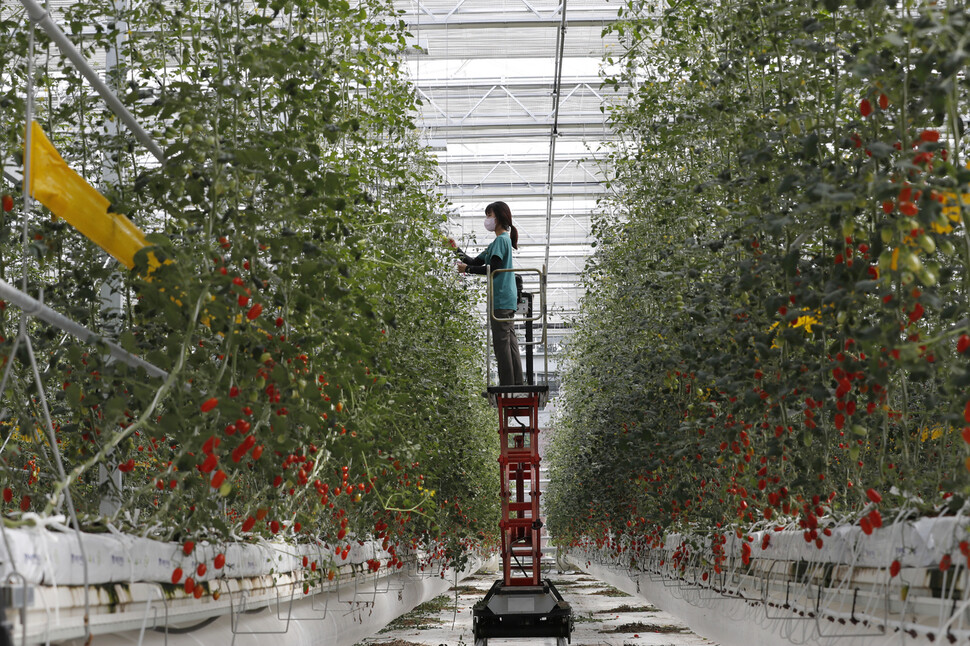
<point x="490" y="223"/>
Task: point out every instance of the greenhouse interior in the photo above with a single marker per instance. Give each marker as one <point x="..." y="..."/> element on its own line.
<point x="265" y="373"/>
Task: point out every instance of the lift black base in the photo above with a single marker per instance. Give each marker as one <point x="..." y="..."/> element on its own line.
<point x="510" y="612"/>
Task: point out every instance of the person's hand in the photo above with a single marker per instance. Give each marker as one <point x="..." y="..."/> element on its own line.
<point x="462" y="267"/>
<point x="451" y="241"/>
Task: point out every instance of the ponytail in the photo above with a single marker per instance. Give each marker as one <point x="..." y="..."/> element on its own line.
<point x="503" y="215"/>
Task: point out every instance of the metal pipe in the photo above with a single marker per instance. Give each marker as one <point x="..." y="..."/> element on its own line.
<point x="489" y="315"/>
<point x="554" y="134"/>
<point x="529" y="371"/>
<point x="33" y="307"/>
<point x="545" y="324"/>
<point x="42" y="19"/>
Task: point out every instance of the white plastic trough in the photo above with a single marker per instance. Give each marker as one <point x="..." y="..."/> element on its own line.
<point x="792" y="592"/>
<point x="130" y="598"/>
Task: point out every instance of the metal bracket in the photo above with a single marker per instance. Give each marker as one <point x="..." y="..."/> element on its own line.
<point x="8" y="597"/>
<point x="234" y="614"/>
<point x="148" y="608"/>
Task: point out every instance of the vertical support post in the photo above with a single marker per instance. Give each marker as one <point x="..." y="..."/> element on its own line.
<point x="488" y="325"/>
<point x="529" y="369"/>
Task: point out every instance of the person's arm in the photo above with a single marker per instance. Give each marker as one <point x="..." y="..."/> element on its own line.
<point x="468" y="260"/>
<point x="479" y="268"/>
<point x="473" y="262"/>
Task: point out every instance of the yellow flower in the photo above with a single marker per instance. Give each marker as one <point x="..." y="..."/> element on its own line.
<point x="931" y="433"/>
<point x="951" y="208"/>
<point x="806" y="322"/>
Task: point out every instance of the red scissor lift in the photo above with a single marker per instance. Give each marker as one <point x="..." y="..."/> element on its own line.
<point x="521" y="604"/>
<point x="519" y="463"/>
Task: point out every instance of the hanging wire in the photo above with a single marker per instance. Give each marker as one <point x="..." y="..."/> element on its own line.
<point x="23" y="336"/>
<point x="41" y="18"/>
<point x="42" y="397"/>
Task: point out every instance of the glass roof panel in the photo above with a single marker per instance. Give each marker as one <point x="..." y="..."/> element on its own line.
<point x="485" y="78"/>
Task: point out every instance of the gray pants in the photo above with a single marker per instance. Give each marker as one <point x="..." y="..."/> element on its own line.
<point x="506" y="350"/>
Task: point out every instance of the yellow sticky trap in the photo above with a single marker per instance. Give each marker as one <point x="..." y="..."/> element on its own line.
<point x="55" y="185"/>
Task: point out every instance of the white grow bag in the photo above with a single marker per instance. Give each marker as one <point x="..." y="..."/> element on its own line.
<point x="794" y="593"/>
<point x="264" y="591"/>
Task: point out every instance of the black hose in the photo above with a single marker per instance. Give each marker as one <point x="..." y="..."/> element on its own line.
<point x="179" y="631"/>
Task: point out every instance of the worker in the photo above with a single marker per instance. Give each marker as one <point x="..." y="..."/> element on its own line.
<point x="498" y="255"/>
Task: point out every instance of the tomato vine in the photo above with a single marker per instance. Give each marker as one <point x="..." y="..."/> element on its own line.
<point x="323" y="367"/>
<point x="776" y="315"/>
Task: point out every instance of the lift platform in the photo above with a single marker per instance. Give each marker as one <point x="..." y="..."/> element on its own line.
<point x="521" y="604"/>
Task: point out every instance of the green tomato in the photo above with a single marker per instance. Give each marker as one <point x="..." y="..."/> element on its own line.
<point x="885" y="261"/>
<point x="905" y="225"/>
<point x="913" y="263"/>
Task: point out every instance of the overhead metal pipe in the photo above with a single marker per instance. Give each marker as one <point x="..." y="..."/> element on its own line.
<point x="554" y="134"/>
<point x="43" y="19"/>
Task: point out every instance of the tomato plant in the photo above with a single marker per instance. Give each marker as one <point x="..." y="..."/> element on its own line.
<point x="774" y="312"/>
<point x="323" y="368"/>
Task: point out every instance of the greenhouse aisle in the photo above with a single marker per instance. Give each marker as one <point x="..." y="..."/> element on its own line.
<point x="604" y="616"/>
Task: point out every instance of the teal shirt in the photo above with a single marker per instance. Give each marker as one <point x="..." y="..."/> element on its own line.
<point x="504" y="294"/>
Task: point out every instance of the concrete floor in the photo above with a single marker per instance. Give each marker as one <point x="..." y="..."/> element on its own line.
<point x="603" y="616"/>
